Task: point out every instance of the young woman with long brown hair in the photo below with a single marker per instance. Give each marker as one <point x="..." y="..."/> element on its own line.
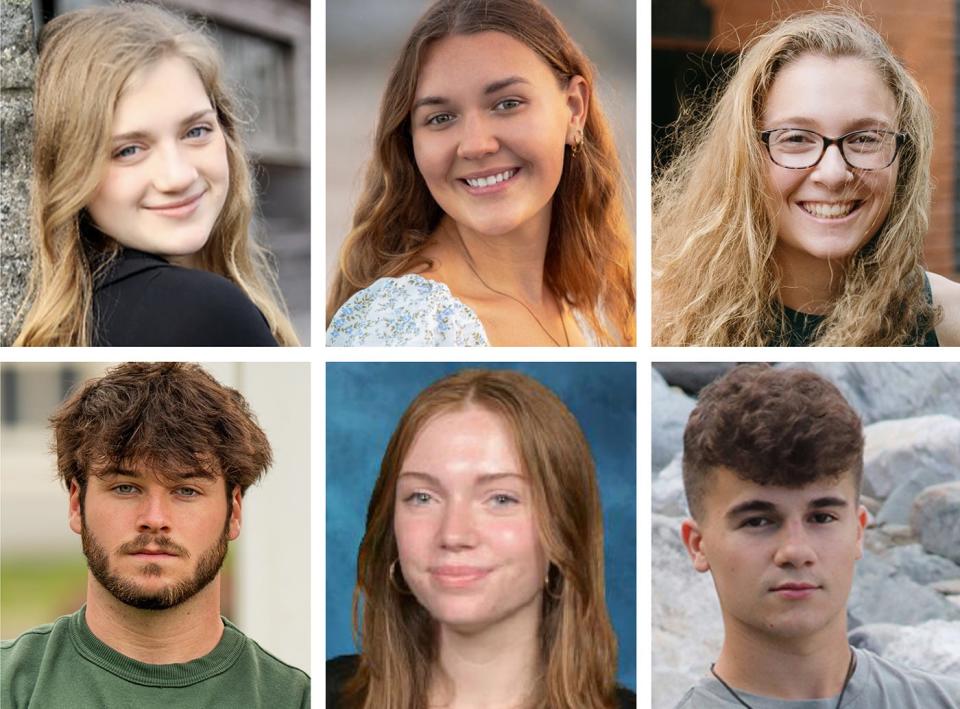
<point x="795" y="211"/>
<point x="141" y="199"/>
<point x="480" y="577"/>
<point x="492" y="210"/>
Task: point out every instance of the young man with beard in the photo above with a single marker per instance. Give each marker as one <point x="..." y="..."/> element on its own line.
<point x="772" y="465"/>
<point x="156" y="459"/>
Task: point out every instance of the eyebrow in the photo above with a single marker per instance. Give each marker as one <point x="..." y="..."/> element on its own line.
<point x="481" y="479"/>
<point x="136" y="474"/>
<point x="859" y="124"/>
<point x="140" y="134"/>
<point x="491" y="88"/>
<point x="768" y="507"/>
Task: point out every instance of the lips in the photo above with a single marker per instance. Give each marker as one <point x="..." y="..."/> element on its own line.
<point x="487" y="181"/>
<point x="179" y="208"/>
<point x="458" y="576"/>
<point x="795" y="591"/>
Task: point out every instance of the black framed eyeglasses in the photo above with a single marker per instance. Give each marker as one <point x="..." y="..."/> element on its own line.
<point x="800" y="149"/>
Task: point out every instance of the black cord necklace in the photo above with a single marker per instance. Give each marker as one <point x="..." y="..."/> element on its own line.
<point x="850" y="668"/>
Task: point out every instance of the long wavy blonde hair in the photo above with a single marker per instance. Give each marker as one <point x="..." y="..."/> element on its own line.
<point x="86" y="59"/>
<point x="577" y="643"/>
<point x="589" y="261"/>
<point x="715" y="221"/>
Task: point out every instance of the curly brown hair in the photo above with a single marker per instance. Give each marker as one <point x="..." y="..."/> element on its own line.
<point x="783" y="427"/>
<point x="169" y="417"/>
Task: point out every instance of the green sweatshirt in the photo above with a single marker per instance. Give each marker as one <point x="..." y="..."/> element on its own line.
<point x="63" y="664"/>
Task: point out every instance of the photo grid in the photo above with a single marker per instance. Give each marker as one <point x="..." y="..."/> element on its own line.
<point x="408" y="353"/>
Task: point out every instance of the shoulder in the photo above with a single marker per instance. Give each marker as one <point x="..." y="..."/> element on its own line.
<point x="626" y="699"/>
<point x="168" y="305"/>
<point x="23" y="658"/>
<point x="908" y="686"/>
<point x="272" y="671"/>
<point x="339" y="670"/>
<point x="946" y="294"/>
<point x="410" y="310"/>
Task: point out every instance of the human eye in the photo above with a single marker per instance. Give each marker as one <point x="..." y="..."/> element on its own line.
<point x="200" y="131"/>
<point x="439" y="119"/>
<point x="865" y="140"/>
<point x="126" y="152"/>
<point x="187" y="492"/>
<point x="124" y="489"/>
<point x="418" y="498"/>
<point x="795" y="138"/>
<point x="823" y="518"/>
<point x="502" y="499"/>
<point x="756" y="523"/>
<point x="507" y="104"/>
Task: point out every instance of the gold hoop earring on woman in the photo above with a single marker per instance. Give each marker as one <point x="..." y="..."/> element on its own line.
<point x="577" y="142"/>
<point x="557" y="594"/>
<point x="393" y="581"/>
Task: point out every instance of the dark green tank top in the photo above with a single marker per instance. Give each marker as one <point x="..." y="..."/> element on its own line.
<point x="799" y="328"/>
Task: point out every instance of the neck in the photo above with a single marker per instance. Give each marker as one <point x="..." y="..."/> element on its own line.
<point x="814" y="667"/>
<point x="513" y="262"/>
<point x="807" y="283"/>
<point x="495" y="668"/>
<point x="179" y="634"/>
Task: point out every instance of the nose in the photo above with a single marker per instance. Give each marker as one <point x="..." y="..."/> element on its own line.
<point x="458" y="530"/>
<point x="477" y="140"/>
<point x="154" y="514"/>
<point x="832" y="170"/>
<point x="174" y="171"/>
<point x="795" y="549"/>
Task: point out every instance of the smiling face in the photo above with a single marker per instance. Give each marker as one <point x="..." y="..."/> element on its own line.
<point x="782" y="559"/>
<point x="829" y="211"/>
<point x="167" y="174"/>
<point x="489" y="123"/>
<point x="465" y="526"/>
<point x="154" y="543"/>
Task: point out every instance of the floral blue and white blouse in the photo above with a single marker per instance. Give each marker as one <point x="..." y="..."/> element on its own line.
<point x="410" y="311"/>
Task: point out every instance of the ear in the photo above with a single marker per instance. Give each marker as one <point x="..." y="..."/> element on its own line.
<point x="862" y="518"/>
<point x="236" y="513"/>
<point x="693" y="541"/>
<point x="74" y="513"/>
<point x="578" y="101"/>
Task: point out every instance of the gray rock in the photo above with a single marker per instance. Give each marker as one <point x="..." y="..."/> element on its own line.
<point x="936" y="518"/>
<point x="687" y="625"/>
<point x="902" y="457"/>
<point x="894" y="390"/>
<point x="920" y="566"/>
<point x="692" y="376"/>
<point x="667" y="496"/>
<point x="882" y="593"/>
<point x="948" y="587"/>
<point x="670" y="410"/>
<point x="18" y="59"/>
<point x="933" y="646"/>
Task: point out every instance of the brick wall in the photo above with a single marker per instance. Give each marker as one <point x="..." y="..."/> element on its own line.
<point x="923" y="35"/>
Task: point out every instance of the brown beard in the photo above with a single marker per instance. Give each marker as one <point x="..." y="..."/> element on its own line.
<point x="130" y="592"/>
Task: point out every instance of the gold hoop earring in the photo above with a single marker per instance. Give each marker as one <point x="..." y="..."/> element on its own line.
<point x="554" y="595"/>
<point x="577" y="142"/>
<point x="393" y="581"/>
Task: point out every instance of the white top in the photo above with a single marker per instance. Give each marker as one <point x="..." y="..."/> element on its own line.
<point x="410" y="311"/>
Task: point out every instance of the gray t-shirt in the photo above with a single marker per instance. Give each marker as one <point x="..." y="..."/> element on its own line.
<point x="876" y="684"/>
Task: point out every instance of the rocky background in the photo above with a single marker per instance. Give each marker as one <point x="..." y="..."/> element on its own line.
<point x="905" y="603"/>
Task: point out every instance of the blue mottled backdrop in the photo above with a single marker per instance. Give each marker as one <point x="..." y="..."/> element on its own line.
<point x="364" y="404"/>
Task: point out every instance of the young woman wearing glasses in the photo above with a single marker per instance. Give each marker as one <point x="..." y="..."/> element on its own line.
<point x="795" y="212"/>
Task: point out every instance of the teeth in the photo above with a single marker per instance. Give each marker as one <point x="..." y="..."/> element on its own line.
<point x="828" y="210"/>
<point x="491" y="180"/>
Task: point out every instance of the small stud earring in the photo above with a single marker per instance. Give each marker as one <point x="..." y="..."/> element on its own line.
<point x="577" y="142"/>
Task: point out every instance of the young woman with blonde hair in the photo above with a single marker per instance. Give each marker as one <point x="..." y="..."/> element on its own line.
<point x="796" y="208"/>
<point x="492" y="211"/>
<point x="480" y="577"/>
<point x="141" y="200"/>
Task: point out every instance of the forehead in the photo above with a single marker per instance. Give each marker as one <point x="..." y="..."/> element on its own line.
<point x="463" y="444"/>
<point x="469" y="61"/>
<point x="161" y="92"/>
<point x="155" y="472"/>
<point x="726" y="490"/>
<point x="830" y="93"/>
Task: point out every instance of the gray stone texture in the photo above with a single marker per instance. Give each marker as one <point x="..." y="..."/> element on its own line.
<point x="936" y="519"/>
<point x="920" y="566"/>
<point x="933" y="646"/>
<point x="894" y="390"/>
<point x="18" y="61"/>
<point x="687" y="626"/>
<point x="671" y="408"/>
<point x="692" y="376"/>
<point x="667" y="496"/>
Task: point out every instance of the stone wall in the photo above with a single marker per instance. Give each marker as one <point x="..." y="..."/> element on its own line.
<point x="18" y="60"/>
